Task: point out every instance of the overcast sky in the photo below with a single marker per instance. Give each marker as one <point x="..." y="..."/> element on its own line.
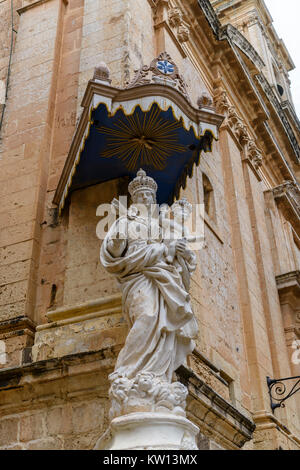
<point x="286" y="16"/>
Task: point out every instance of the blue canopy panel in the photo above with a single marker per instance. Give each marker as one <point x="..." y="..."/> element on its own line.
<point x="118" y="145"/>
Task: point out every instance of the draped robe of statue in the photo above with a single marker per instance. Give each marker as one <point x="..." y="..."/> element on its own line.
<point x="156" y="305"/>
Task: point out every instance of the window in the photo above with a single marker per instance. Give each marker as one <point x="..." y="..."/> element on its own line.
<point x="208" y="192"/>
<point x="278" y="81"/>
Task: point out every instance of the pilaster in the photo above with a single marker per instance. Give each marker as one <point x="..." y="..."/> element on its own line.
<point x="24" y="167"/>
<point x="234" y="139"/>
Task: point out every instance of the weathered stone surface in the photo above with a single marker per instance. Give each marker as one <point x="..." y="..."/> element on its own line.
<point x="246" y="331"/>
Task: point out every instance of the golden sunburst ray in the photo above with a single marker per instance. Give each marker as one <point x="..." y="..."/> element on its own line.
<point x="148" y="140"/>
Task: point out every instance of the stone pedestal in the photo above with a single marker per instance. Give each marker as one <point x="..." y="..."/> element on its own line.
<point x="155" y="431"/>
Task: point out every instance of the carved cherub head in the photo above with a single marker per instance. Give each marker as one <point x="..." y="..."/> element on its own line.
<point x="144" y="381"/>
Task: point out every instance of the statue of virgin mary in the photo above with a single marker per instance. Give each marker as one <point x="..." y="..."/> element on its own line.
<point x="155" y="301"/>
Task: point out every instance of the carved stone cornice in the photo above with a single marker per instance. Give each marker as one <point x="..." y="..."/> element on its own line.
<point x="287" y="106"/>
<point x="287" y="196"/>
<point x="204" y="402"/>
<point x="289" y="282"/>
<point x="17" y="327"/>
<point x="284" y="121"/>
<point x="288" y="285"/>
<point x="230" y="33"/>
<point x="235" y="38"/>
<point x="211" y="16"/>
<point x="239" y="40"/>
<point x="252" y="18"/>
<point x="34" y="3"/>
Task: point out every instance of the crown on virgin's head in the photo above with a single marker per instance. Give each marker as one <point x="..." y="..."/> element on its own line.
<point x="142" y="182"/>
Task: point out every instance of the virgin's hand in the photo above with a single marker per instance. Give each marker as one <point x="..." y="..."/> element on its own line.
<point x="116" y="246"/>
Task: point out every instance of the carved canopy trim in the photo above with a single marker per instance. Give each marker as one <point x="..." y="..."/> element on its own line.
<point x="139" y="98"/>
<point x="277" y="106"/>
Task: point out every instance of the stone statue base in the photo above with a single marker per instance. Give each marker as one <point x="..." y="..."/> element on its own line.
<point x="149" y="431"/>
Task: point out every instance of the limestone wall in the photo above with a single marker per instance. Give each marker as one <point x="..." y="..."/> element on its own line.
<point x="51" y="264"/>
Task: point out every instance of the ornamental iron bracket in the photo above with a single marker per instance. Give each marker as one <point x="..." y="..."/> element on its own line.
<point x="278" y="391"/>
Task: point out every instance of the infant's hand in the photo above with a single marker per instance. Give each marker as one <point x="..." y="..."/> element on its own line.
<point x="181" y="247"/>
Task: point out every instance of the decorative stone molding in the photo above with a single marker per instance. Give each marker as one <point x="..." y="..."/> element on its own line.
<point x="235" y="123"/>
<point x="17" y="326"/>
<point x="221" y="100"/>
<point x="288" y="285"/>
<point x="145" y="393"/>
<point x="28" y="4"/>
<point x="252" y="19"/>
<point x="102" y="73"/>
<point x="254" y="154"/>
<point x="238" y="126"/>
<point x="273" y="51"/>
<point x="175" y="18"/>
<point x="16" y="337"/>
<point x="287" y="196"/>
<point x="239" y="40"/>
<point x="211" y="16"/>
<point x="287" y="106"/>
<point x="91" y="320"/>
<point x="162" y="70"/>
<point x="160" y="431"/>
<point x="205" y="405"/>
<point x="278" y="108"/>
<point x="183" y="33"/>
<point x="289" y="281"/>
<point x="279" y="159"/>
<point x="230" y="33"/>
<point x="205" y="101"/>
<point x="292" y="189"/>
<point x="239" y="129"/>
<point x="234" y="37"/>
<point x="153" y="3"/>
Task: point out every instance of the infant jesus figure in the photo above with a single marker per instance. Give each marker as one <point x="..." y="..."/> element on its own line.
<point x="176" y="235"/>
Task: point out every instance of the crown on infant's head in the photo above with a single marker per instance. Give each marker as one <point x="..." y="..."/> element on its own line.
<point x="183" y="204"/>
<point x="142" y="182"/>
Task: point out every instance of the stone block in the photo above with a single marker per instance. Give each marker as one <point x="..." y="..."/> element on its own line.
<point x="8" y="431"/>
<point x="32" y="427"/>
